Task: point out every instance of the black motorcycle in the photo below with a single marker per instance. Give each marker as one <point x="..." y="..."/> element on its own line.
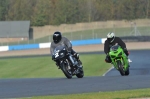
<point x="65" y="60"/>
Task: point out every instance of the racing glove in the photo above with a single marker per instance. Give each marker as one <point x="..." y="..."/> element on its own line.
<point x="126" y="51"/>
<point x="53" y="57"/>
<point x="107" y="59"/>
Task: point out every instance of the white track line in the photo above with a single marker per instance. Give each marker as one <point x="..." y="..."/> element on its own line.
<point x="108" y="70"/>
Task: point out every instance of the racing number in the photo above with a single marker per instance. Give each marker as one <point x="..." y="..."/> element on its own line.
<point x="56" y="54"/>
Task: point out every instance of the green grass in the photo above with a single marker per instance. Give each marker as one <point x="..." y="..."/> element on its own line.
<point x="102" y="95"/>
<point x="88" y="34"/>
<point x="39" y="67"/>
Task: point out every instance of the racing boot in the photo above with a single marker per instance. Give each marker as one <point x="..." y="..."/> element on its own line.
<point x="76" y="55"/>
<point x="129" y="60"/>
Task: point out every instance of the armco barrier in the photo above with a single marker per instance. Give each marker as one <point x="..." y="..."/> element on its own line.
<point x="4" y="48"/>
<point x="47" y="45"/>
<point x="136" y="38"/>
<point x="23" y="47"/>
<point x="44" y="45"/>
<point x="86" y="42"/>
<point x="74" y="43"/>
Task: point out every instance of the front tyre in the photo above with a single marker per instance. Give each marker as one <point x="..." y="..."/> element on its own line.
<point x="66" y="70"/>
<point x="120" y="67"/>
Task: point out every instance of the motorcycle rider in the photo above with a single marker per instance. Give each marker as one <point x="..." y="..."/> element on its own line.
<point x="59" y="40"/>
<point x="110" y="41"/>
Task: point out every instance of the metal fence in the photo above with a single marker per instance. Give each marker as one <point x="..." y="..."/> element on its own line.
<point x="82" y="31"/>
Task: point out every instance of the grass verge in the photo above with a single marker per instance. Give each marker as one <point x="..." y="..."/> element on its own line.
<point x="128" y="94"/>
<point x="39" y="67"/>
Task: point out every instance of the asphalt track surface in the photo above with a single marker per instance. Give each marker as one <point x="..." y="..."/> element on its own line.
<point x="112" y="81"/>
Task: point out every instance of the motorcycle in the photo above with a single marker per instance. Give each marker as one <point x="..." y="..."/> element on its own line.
<point x="65" y="62"/>
<point x="119" y="59"/>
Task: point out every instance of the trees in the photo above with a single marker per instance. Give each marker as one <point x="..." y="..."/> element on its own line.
<point x="56" y="12"/>
<point x="40" y="16"/>
<point x="3" y="9"/>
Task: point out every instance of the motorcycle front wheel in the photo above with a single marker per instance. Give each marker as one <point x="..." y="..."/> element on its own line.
<point x="120" y="68"/>
<point x="66" y="70"/>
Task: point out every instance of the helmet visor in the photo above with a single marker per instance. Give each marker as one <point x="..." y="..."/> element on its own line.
<point x="110" y="39"/>
<point x="56" y="39"/>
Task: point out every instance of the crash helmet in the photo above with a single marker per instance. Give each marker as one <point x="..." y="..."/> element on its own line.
<point x="110" y="37"/>
<point x="57" y="37"/>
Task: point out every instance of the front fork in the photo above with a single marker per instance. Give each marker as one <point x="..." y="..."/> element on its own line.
<point x="65" y="63"/>
<point x="123" y="61"/>
<point x="75" y="65"/>
<point x="73" y="61"/>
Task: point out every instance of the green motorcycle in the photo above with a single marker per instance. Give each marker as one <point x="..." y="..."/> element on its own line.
<point x="119" y="60"/>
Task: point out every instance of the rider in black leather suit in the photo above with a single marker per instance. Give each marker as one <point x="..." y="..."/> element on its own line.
<point x="59" y="40"/>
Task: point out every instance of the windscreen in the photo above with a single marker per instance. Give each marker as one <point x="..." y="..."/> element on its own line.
<point x="114" y="48"/>
<point x="59" y="48"/>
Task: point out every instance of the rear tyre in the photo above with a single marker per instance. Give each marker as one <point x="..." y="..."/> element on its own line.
<point x="127" y="72"/>
<point x="81" y="72"/>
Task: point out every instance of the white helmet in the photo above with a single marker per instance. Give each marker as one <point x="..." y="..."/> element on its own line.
<point x="110" y="37"/>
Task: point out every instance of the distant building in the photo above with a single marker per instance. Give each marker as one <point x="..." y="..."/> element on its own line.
<point x="12" y="31"/>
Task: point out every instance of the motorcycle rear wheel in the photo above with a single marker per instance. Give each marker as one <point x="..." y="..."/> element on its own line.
<point x="127" y="72"/>
<point x="81" y="72"/>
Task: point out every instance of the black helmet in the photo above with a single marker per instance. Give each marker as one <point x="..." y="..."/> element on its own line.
<point x="57" y="36"/>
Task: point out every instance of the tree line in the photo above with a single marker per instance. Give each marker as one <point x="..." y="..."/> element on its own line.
<point x="56" y="12"/>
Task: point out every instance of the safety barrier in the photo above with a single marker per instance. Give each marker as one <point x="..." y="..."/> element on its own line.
<point x="74" y="43"/>
<point x="47" y="45"/>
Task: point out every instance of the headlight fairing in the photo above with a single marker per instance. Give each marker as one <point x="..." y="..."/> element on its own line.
<point x="112" y="56"/>
<point x="120" y="54"/>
